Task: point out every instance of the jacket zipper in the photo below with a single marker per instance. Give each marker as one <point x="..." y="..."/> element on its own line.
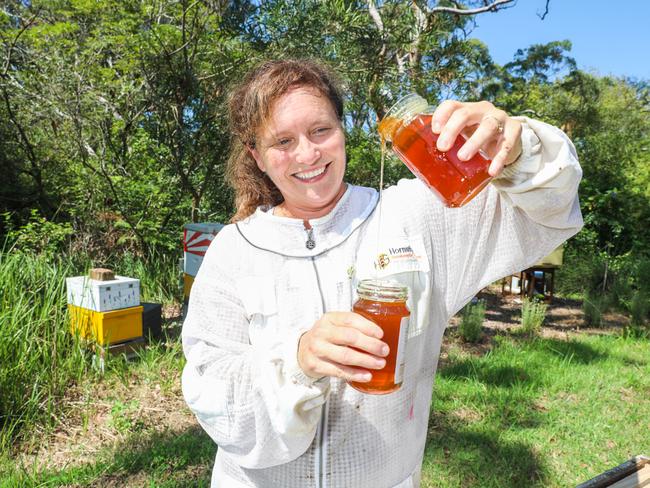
<point x="321" y="458"/>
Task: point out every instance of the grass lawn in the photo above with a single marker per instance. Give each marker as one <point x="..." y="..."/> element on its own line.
<point x="520" y="413"/>
<point x="544" y="412"/>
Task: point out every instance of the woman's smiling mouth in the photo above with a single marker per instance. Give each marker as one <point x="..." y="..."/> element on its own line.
<point x="307" y="176"/>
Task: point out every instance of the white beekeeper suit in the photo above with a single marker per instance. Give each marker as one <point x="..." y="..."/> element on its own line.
<point x="259" y="288"/>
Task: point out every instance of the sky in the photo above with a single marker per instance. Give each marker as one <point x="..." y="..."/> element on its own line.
<point x="610" y="37"/>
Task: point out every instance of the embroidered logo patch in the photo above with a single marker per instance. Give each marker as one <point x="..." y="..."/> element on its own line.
<point x="382" y="261"/>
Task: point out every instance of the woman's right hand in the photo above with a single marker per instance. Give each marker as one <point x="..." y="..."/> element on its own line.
<point x="344" y="345"/>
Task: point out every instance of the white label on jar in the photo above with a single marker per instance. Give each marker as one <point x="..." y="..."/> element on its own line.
<point x="401" y="350"/>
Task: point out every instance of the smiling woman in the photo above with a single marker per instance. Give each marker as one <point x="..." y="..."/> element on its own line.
<point x="302" y="151"/>
<point x="271" y="341"/>
<point x="267" y="133"/>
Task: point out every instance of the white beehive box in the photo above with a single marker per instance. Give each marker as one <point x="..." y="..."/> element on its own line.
<point x="196" y="240"/>
<point x="102" y="296"/>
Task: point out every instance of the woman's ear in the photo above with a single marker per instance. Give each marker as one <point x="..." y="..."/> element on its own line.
<point x="258" y="159"/>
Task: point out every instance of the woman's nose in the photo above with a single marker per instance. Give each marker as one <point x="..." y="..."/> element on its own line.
<point x="307" y="152"/>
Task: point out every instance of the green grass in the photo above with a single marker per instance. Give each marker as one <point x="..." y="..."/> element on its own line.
<point x="533" y="413"/>
<point x="39" y="358"/>
<point x="533" y="313"/>
<point x="541" y="413"/>
<point x="529" y="412"/>
<point x="145" y="454"/>
<point x="470" y="328"/>
<point x="156" y="459"/>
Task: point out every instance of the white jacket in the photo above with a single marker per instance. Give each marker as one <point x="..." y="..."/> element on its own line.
<point x="259" y="288"/>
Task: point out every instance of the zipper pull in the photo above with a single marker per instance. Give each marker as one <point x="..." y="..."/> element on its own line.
<point x="311" y="243"/>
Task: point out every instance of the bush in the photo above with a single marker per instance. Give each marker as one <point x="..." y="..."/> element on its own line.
<point x="533" y="313"/>
<point x="471" y="323"/>
<point x="640" y="308"/>
<point x="593" y="307"/>
<point x="38" y="235"/>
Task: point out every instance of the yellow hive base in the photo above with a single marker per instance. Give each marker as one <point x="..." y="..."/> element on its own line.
<point x="106" y="327"/>
<point x="188" y="280"/>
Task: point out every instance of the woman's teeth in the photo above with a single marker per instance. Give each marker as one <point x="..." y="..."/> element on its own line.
<point x="310" y="174"/>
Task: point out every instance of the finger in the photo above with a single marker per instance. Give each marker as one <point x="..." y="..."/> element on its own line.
<point x="484" y="137"/>
<point x="344" y="372"/>
<point x="350" y="356"/>
<point x="350" y="337"/>
<point x="442" y="113"/>
<point x="508" y="147"/>
<point x="356" y="321"/>
<point x="467" y="115"/>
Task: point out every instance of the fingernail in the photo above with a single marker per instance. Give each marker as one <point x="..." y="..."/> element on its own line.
<point x="436" y="127"/>
<point x="384" y="350"/>
<point x="362" y="377"/>
<point x="462" y="155"/>
<point x="443" y="144"/>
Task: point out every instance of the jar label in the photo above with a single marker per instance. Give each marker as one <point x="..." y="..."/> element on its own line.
<point x="401" y="350"/>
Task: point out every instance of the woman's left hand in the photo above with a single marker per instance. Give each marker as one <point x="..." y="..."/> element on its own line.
<point x="485" y="126"/>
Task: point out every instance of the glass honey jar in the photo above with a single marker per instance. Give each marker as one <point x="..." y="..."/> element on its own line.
<point x="407" y="125"/>
<point x="384" y="303"/>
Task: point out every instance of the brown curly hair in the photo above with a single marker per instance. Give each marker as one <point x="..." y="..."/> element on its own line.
<point x="249" y="108"/>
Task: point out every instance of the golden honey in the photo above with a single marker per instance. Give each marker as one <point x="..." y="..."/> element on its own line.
<point x="384" y="303"/>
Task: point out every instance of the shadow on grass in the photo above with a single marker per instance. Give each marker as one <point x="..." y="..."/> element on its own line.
<point x="504" y="376"/>
<point x="167" y="459"/>
<point x="572" y="351"/>
<point x="468" y="457"/>
<point x="504" y="315"/>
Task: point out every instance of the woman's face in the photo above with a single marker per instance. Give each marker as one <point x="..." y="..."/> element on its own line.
<point x="302" y="150"/>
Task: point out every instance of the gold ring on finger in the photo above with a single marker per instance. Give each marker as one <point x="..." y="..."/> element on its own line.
<point x="498" y="122"/>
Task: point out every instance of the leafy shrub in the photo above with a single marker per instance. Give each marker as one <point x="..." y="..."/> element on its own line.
<point x="37" y="235"/>
<point x="471" y="323"/>
<point x="533" y="313"/>
<point x="593" y="307"/>
<point x="640" y="308"/>
<point x="641" y="275"/>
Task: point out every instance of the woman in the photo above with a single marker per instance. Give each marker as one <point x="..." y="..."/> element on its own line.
<point x="269" y="337"/>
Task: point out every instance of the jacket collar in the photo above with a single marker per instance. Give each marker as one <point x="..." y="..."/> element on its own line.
<point x="288" y="236"/>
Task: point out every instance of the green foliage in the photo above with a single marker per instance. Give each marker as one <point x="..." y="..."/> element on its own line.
<point x="37" y="235"/>
<point x="123" y="415"/>
<point x="40" y="357"/>
<point x="533" y="313"/>
<point x="470" y="328"/>
<point x="640" y="308"/>
<point x="113" y="112"/>
<point x="593" y="306"/>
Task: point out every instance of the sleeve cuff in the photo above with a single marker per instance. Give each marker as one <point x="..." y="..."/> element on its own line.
<point x="530" y="148"/>
<point x="294" y="372"/>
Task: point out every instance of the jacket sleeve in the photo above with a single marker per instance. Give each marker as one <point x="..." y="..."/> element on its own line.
<point x="254" y="401"/>
<point x="525" y="213"/>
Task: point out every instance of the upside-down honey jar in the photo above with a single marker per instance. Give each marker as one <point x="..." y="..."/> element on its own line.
<point x="384" y="303"/>
<point x="407" y="125"/>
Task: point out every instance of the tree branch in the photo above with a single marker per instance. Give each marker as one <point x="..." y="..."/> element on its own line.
<point x="25" y="26"/>
<point x="543" y="16"/>
<point x="374" y="14"/>
<point x="488" y="8"/>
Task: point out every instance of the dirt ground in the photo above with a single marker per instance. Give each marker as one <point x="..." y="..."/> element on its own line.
<point x="563" y="316"/>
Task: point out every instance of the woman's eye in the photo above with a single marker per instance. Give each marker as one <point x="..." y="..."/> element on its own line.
<point x="322" y="130"/>
<point x="283" y="142"/>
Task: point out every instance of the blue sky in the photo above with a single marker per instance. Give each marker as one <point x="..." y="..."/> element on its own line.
<point x="609" y="37"/>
